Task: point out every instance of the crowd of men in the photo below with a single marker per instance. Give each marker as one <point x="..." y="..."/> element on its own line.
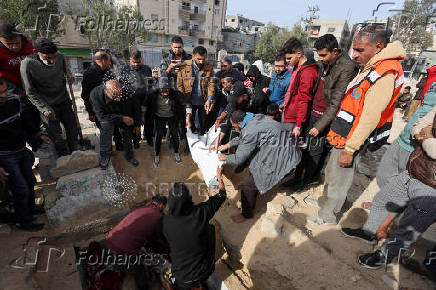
<point x="309" y="123"/>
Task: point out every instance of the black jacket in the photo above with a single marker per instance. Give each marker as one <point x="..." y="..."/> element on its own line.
<point x="93" y="77"/>
<point x="190" y="236"/>
<point x="136" y="81"/>
<point x="108" y="110"/>
<point x="176" y="102"/>
<point x="167" y="56"/>
<point x="257" y="103"/>
<point x="260" y="99"/>
<point x="12" y="129"/>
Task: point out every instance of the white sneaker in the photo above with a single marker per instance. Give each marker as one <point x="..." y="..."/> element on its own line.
<point x="156" y="161"/>
<point x="177" y="157"/>
<point x="317" y="221"/>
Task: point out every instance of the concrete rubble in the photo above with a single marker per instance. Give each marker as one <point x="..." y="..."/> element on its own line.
<point x="83" y="192"/>
<point x="76" y="162"/>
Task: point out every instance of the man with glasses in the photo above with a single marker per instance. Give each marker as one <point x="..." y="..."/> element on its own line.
<point x="95" y="75"/>
<point x="226" y="66"/>
<point x="280" y="80"/>
<point x="115" y="111"/>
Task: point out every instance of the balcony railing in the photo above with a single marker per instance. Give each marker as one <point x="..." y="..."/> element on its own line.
<point x="196" y="32"/>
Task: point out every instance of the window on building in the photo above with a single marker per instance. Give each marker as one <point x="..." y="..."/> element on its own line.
<point x="241" y="21"/>
<point x="233" y="20"/>
<point x="217" y="11"/>
<point x="154" y="17"/>
<point x="331" y="29"/>
<point x="217" y="2"/>
<point x="256" y="29"/>
<point x="211" y="42"/>
<point x="201" y="41"/>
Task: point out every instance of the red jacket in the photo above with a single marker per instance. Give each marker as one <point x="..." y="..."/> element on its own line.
<point x="137" y="229"/>
<point x="299" y="93"/>
<point x="431" y="78"/>
<point x="10" y="61"/>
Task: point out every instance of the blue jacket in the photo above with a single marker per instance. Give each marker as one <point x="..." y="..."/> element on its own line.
<point x="405" y="139"/>
<point x="279" y="86"/>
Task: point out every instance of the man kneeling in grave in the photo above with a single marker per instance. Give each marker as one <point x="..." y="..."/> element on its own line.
<point x="270" y="151"/>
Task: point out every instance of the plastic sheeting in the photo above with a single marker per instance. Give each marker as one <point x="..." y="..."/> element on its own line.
<point x="207" y="161"/>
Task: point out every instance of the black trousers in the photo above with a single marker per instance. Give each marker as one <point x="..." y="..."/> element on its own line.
<point x="63" y="114"/>
<point x="159" y="124"/>
<point x="418" y="216"/>
<point x="118" y="139"/>
<point x="32" y="118"/>
<point x="313" y="156"/>
<point x="203" y="119"/>
<point x="148" y="130"/>
<point x="106" y="133"/>
<point x="249" y="194"/>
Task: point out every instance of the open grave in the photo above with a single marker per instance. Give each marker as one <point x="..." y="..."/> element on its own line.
<point x="274" y="250"/>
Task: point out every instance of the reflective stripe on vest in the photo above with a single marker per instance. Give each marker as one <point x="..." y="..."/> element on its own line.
<point x="352" y="104"/>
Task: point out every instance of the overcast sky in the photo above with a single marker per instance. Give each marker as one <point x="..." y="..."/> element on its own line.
<point x="285" y="13"/>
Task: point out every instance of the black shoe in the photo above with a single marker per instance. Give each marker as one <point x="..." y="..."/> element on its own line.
<point x="104" y="162"/>
<point x="359" y="234"/>
<point x="133" y="161"/>
<point x="30" y="227"/>
<point x="136" y="145"/>
<point x="373" y="260"/>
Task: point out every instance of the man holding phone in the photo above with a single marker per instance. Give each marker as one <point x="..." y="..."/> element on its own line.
<point x="172" y="60"/>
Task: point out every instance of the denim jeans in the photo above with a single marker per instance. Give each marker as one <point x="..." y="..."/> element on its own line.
<point x="21" y="182"/>
<point x="32" y="118"/>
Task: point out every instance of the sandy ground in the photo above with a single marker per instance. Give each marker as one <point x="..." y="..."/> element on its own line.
<point x="300" y="257"/>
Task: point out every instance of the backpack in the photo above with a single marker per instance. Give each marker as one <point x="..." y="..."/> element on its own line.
<point x="421" y="166"/>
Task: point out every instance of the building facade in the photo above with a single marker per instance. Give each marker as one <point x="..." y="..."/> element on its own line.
<point x="198" y="22"/>
<point x="339" y="28"/>
<point x="240" y="35"/>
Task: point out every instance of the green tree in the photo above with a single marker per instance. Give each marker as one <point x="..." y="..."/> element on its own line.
<point x="274" y="37"/>
<point x="411" y="24"/>
<point x="36" y="17"/>
<point x="115" y="28"/>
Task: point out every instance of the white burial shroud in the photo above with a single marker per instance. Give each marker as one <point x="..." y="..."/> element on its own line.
<point x="207" y="161"/>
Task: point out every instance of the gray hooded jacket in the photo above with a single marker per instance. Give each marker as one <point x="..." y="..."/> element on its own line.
<point x="270" y="148"/>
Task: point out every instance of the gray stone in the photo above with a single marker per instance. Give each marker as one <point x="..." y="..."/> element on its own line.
<point x="89" y="190"/>
<point x="76" y="162"/>
<point x="47" y="160"/>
